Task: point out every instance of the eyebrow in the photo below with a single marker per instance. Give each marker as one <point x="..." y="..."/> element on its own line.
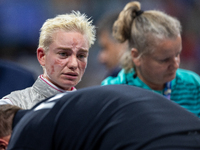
<point x="67" y="49"/>
<point x="84" y="50"/>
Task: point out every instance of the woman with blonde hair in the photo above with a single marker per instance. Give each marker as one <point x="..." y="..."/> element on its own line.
<point x="152" y="61"/>
<point x="63" y="53"/>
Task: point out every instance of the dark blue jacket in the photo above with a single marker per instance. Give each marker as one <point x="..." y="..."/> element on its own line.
<point x="113" y="117"/>
<point x="13" y="77"/>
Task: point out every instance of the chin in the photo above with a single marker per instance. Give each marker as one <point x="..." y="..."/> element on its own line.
<point x="170" y="78"/>
<point x="66" y="85"/>
<point x="70" y="84"/>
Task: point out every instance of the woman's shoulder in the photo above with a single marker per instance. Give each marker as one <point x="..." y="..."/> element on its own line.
<point x="119" y="79"/>
<point x="188" y="76"/>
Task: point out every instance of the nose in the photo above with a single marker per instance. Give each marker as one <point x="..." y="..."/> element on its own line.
<point x="73" y="63"/>
<point x="175" y="63"/>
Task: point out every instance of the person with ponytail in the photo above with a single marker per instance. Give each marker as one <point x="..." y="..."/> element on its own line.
<point x="153" y="58"/>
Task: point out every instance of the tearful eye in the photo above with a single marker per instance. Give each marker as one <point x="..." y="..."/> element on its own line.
<point x="82" y="56"/>
<point x="62" y="54"/>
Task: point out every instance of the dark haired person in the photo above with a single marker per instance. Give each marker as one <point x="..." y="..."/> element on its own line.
<point x="7" y="113"/>
<point x="109" y="117"/>
<point x="110" y="49"/>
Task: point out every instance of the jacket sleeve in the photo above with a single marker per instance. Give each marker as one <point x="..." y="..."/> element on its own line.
<point x="120" y="79"/>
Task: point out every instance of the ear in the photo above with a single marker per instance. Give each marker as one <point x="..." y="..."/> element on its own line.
<point x="135" y="57"/>
<point x="41" y="56"/>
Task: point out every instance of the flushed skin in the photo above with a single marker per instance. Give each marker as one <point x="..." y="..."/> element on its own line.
<point x="66" y="60"/>
<point x="62" y="52"/>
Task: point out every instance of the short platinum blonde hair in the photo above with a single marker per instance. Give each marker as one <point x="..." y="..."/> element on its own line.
<point x="75" y="21"/>
<point x="143" y="31"/>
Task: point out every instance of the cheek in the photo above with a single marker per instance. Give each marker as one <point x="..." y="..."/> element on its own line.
<point x="154" y="68"/>
<point x="59" y="62"/>
<point x="54" y="66"/>
<point x="178" y="60"/>
<point x="50" y="69"/>
<point x="83" y="66"/>
<point x="159" y="69"/>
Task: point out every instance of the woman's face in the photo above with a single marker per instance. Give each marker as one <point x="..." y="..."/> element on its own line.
<point x="159" y="67"/>
<point x="66" y="60"/>
<point x="111" y="50"/>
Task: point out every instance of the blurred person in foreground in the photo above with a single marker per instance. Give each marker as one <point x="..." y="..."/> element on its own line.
<point x="111" y="50"/>
<point x="7" y="113"/>
<point x="14" y="77"/>
<point x="63" y="53"/>
<point x="152" y="61"/>
<point x="113" y="117"/>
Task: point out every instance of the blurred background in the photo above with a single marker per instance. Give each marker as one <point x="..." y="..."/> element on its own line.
<point x="21" y="20"/>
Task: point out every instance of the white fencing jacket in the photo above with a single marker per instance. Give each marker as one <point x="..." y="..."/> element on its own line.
<point x="28" y="97"/>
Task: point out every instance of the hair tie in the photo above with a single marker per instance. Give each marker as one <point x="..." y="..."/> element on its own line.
<point x="138" y="13"/>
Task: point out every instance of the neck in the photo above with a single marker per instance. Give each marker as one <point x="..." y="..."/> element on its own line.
<point x="153" y="86"/>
